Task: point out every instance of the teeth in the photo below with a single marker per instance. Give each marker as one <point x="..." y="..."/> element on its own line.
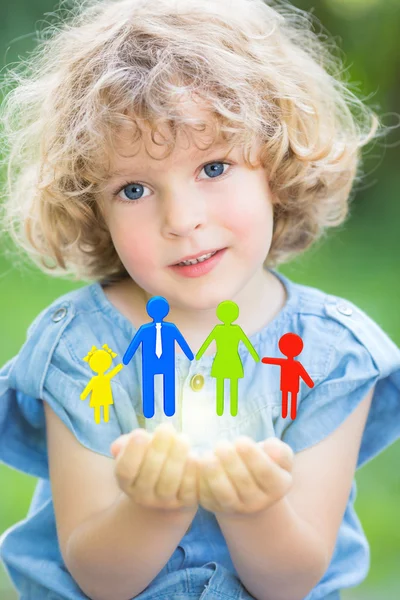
<point x="194" y="261"/>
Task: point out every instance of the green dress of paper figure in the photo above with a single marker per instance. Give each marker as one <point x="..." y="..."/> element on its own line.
<point x="227" y="363"/>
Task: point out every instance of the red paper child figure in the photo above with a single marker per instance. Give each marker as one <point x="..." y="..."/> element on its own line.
<point x="290" y="345"/>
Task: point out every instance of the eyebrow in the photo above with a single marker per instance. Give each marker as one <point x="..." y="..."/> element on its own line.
<point x="193" y="156"/>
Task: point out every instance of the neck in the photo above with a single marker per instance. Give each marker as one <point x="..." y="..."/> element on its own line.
<point x="259" y="303"/>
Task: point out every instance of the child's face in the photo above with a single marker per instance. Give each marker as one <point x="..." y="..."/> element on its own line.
<point x="184" y="210"/>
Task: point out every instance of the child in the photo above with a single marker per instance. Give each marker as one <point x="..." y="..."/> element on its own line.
<point x="115" y="136"/>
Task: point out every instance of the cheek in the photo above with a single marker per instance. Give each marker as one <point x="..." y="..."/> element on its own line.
<point x="251" y="222"/>
<point x="132" y="246"/>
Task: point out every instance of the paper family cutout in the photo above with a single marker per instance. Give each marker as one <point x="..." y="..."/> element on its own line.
<point x="290" y="345"/>
<point x="158" y="357"/>
<point x="227" y="363"/>
<point x="100" y="360"/>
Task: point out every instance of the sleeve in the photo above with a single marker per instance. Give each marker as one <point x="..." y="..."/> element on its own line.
<point x="48" y="369"/>
<point x="362" y="356"/>
<point x="20" y="425"/>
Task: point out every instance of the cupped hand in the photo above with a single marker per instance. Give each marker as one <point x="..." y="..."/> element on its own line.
<point x="157" y="470"/>
<point x="245" y="477"/>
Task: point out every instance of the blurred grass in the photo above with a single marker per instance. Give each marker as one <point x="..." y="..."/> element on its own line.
<point x="23" y="295"/>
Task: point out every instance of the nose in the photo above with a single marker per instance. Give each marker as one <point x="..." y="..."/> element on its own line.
<point x="183" y="212"/>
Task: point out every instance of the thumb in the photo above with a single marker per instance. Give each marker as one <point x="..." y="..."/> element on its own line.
<point x="280" y="452"/>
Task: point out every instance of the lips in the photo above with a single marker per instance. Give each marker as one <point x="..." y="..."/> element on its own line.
<point x="201" y="268"/>
<point x="196" y="256"/>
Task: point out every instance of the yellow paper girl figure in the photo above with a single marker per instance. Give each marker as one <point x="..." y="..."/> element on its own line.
<point x="100" y="360"/>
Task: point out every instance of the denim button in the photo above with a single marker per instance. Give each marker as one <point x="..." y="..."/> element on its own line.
<point x="197" y="382"/>
<point x="345" y="310"/>
<point x="59" y="314"/>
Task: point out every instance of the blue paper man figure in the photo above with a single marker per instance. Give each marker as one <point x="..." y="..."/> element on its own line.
<point x="158" y="355"/>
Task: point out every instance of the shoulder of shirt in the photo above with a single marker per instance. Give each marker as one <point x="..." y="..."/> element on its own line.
<point x="64" y="308"/>
<point x="78" y="318"/>
<point x="345" y="324"/>
<point x="61" y="334"/>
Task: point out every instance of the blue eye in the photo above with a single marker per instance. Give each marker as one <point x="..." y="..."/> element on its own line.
<point x="215" y="171"/>
<point x="134" y="191"/>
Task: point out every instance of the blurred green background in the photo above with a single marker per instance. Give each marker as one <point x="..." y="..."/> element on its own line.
<point x="358" y="261"/>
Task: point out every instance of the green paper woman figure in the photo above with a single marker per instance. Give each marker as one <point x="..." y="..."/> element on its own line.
<point x="227" y="363"/>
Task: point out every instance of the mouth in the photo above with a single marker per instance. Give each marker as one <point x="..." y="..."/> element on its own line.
<point x="199" y="266"/>
<point x="198" y="258"/>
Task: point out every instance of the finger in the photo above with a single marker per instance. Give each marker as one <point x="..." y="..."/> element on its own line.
<point x="206" y="497"/>
<point x="155" y="457"/>
<point x="219" y="483"/>
<point x="268" y="475"/>
<point x="237" y="470"/>
<point x="280" y="452"/>
<point x="188" y="493"/>
<point x="118" y="444"/>
<point x="131" y="456"/>
<point x="172" y="471"/>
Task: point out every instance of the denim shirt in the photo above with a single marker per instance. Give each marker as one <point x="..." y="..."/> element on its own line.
<point x="345" y="353"/>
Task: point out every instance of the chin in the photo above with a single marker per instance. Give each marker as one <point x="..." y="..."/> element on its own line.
<point x="202" y="299"/>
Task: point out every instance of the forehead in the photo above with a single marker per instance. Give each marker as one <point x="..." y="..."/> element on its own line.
<point x="194" y="137"/>
<point x="142" y="146"/>
<point x="150" y="154"/>
<point x="138" y="145"/>
<point x="155" y="145"/>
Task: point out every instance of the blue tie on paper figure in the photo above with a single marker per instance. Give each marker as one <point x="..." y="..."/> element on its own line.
<point x="158" y="355"/>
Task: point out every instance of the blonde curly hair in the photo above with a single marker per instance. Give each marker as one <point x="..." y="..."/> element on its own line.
<point x="259" y="67"/>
